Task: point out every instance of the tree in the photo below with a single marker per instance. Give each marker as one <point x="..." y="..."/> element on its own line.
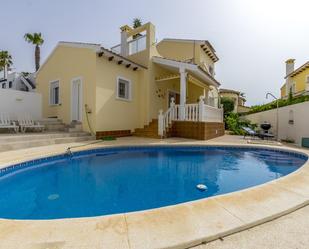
<point x="290" y="98"/>
<point x="228" y="105"/>
<point x="37" y="40"/>
<point x="5" y="62"/>
<point x="137" y="22"/>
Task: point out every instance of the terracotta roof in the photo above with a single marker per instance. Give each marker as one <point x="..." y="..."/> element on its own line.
<point x="298" y="70"/>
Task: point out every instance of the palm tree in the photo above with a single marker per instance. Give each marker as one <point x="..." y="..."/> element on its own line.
<point x="5" y="62"/>
<point x="37" y="40"/>
<point x="137" y="22"/>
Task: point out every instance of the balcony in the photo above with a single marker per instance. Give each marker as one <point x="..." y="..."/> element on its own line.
<point x="134" y="46"/>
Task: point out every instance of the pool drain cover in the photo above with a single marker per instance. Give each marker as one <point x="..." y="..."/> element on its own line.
<point x="53" y="197"/>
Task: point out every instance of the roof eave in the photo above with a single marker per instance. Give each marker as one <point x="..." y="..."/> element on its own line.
<point x="110" y="54"/>
<point x="191" y="67"/>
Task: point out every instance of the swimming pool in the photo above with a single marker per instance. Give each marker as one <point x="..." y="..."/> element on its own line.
<point x="117" y="180"/>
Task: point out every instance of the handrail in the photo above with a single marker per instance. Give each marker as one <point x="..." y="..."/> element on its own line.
<point x="197" y="112"/>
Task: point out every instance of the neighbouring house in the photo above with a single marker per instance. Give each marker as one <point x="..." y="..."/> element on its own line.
<point x="139" y="86"/>
<point x="239" y="100"/>
<point x="296" y="80"/>
<point x="19" y="81"/>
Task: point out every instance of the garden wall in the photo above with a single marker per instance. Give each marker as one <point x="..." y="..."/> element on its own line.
<point x="293" y="121"/>
<point x="18" y="103"/>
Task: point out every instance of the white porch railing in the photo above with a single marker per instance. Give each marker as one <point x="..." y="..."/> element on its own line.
<point x="199" y="112"/>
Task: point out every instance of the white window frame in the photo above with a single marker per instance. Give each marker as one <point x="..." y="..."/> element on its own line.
<point x="50" y="101"/>
<point x="129" y="90"/>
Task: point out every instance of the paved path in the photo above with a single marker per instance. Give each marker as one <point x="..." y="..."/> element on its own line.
<point x="288" y="232"/>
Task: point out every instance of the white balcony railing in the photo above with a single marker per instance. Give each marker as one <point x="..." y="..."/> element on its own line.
<point x="134" y="46"/>
<point x="116" y="49"/>
<point x="137" y="45"/>
<point x="199" y="112"/>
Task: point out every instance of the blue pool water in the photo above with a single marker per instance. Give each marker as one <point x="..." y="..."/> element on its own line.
<point x="109" y="181"/>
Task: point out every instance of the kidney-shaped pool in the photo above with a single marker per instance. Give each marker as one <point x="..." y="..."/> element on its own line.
<point x="118" y="180"/>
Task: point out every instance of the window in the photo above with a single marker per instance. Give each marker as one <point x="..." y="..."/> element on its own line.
<point x="123" y="89"/>
<point x="54" y="93"/>
<point x="307" y="79"/>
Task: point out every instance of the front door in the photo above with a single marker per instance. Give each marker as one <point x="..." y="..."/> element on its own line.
<point x="76" y="97"/>
<point x="174" y="95"/>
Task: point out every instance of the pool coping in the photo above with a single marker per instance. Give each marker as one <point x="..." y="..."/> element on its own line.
<point x="178" y="226"/>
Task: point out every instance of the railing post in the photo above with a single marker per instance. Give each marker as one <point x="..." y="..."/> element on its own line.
<point x="172" y="106"/>
<point x="161" y="123"/>
<point x="183" y="94"/>
<point x="201" y="109"/>
<point x="222" y="113"/>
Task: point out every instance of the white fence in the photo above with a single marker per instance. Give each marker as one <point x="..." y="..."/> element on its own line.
<point x="17" y="103"/>
<point x="199" y="112"/>
<point x="293" y="121"/>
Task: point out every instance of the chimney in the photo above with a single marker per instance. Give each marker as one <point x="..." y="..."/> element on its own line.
<point x="289" y="66"/>
<point x="124" y="50"/>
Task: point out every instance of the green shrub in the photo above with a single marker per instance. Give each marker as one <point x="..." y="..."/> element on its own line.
<point x="228" y="105"/>
<point x="234" y="123"/>
<point x="282" y="103"/>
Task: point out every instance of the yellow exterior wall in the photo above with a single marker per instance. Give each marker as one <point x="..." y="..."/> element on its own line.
<point x="184" y="51"/>
<point x="205" y="59"/>
<point x="283" y="91"/>
<point x="112" y="113"/>
<point x="65" y="64"/>
<point x="193" y="93"/>
<point x="300" y="80"/>
<point x="176" y="50"/>
<point x="300" y="83"/>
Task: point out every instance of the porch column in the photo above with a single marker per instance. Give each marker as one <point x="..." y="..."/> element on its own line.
<point x="183" y="94"/>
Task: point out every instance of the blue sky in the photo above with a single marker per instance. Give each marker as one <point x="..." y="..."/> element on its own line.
<point x="252" y="38"/>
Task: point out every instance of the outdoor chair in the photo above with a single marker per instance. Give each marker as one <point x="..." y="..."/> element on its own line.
<point x="249" y="132"/>
<point x="253" y="133"/>
<point x="27" y="122"/>
<point x="7" y="123"/>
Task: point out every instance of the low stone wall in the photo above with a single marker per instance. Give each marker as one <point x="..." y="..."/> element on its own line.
<point x="197" y="130"/>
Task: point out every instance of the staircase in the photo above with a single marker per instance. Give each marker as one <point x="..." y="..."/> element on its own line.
<point x="56" y="132"/>
<point x="151" y="130"/>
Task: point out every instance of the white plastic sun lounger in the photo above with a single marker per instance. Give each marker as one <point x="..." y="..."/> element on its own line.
<point x="7" y="123"/>
<point x="27" y="122"/>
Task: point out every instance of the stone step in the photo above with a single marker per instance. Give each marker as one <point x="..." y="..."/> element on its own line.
<point x="38" y="143"/>
<point x="39" y="136"/>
